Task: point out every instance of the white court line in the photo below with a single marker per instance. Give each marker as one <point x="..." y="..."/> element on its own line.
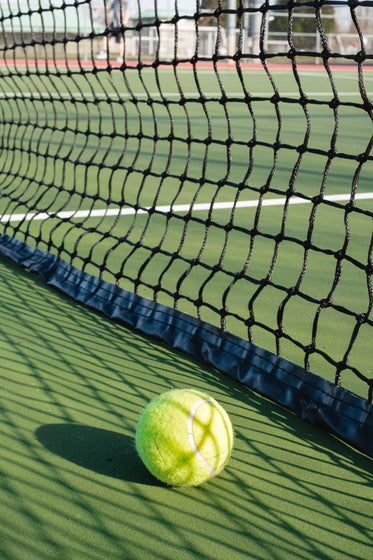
<point x="43" y="95"/>
<point x="176" y="208"/>
<point x="339" y="75"/>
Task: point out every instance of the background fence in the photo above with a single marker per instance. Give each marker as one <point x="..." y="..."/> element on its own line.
<point x="75" y="21"/>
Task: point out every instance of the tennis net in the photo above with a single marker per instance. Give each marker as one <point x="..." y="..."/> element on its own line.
<point x="213" y="157"/>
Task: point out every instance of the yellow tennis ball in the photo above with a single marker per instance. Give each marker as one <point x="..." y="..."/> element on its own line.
<point x="184" y="437"/>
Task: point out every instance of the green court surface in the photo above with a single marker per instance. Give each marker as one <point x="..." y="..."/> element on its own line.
<point x="72" y="488"/>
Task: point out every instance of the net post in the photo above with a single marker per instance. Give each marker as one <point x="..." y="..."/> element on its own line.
<point x="231" y="27"/>
<point x="254" y="26"/>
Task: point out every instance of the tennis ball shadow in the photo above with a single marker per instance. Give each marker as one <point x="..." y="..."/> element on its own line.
<point x="102" y="451"/>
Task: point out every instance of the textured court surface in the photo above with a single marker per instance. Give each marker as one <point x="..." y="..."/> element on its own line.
<point x="71" y="486"/>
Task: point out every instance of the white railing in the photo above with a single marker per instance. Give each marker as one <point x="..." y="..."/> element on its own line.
<point x="208" y="44"/>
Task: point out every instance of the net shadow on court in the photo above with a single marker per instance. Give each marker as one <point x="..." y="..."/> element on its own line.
<point x="74" y="384"/>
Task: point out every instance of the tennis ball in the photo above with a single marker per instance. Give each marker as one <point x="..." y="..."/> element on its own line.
<point x="184" y="437"/>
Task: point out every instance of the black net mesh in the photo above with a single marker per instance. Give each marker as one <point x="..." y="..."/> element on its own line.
<point x="215" y="157"/>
